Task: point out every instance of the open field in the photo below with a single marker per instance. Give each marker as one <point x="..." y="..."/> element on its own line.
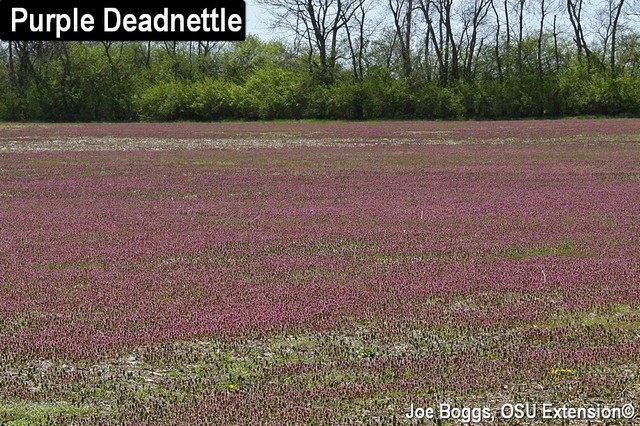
<point x="316" y="273"/>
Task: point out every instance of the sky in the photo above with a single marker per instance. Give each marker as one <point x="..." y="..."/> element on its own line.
<point x="258" y="21"/>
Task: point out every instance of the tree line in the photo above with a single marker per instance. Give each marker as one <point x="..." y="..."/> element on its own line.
<point x="349" y="59"/>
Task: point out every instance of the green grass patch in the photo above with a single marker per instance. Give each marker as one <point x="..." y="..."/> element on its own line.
<point x="616" y="317"/>
<point x="42" y="413"/>
<point x="565" y="249"/>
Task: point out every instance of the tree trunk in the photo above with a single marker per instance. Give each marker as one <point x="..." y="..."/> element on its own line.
<point x="614" y="31"/>
<point x="520" y="30"/>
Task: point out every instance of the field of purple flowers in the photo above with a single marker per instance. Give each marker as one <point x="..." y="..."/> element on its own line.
<point x="336" y="279"/>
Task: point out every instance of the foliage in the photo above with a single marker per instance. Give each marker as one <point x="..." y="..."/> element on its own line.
<point x="268" y="80"/>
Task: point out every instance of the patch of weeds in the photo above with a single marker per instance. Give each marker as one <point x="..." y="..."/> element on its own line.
<point x="365" y="352"/>
<point x="294" y="349"/>
<point x="616" y="317"/>
<point x="83" y="264"/>
<point x="382" y="403"/>
<point x="33" y="413"/>
<point x="307" y="274"/>
<point x="231" y="370"/>
<point x="11" y="193"/>
<point x="565" y="249"/>
<point x="23" y="321"/>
